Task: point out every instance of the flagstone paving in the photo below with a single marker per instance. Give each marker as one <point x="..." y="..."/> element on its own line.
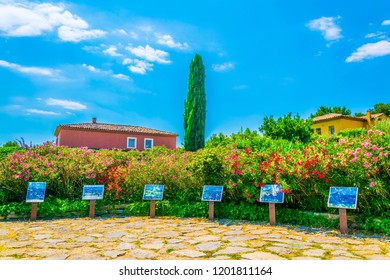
<point x="177" y="238"/>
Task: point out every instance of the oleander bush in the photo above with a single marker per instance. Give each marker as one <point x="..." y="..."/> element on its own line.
<point x="242" y="162"/>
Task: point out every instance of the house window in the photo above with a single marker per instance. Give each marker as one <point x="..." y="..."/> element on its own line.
<point x="331" y="130"/>
<point x="148" y="143"/>
<point x="131" y="142"/>
<point x="318" y="131"/>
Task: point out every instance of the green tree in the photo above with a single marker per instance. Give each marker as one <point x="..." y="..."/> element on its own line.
<point x="323" y="110"/>
<point x="195" y="107"/>
<point x="381" y="108"/>
<point x="11" y="144"/>
<point x="286" y="127"/>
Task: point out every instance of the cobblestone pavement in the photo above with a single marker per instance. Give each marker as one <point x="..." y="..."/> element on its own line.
<point x="176" y="238"/>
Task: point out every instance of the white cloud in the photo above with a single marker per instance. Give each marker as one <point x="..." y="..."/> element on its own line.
<point x="150" y="54"/>
<point x="227" y="66"/>
<point x="67" y="104"/>
<point x="378" y="34"/>
<point x="41" y="112"/>
<point x="370" y="50"/>
<point x="112" y="51"/>
<point x="121" y="77"/>
<point x="35" y="19"/>
<point x="41" y="71"/>
<point x="71" y="34"/>
<point x="91" y="68"/>
<point x="329" y="29"/>
<point x="138" y="66"/>
<point x="386" y="22"/>
<point x="167" y="40"/>
<point x="106" y="73"/>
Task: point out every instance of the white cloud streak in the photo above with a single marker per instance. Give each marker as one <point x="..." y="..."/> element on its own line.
<point x="112" y="51"/>
<point x="386" y="22"/>
<point x="67" y="104"/>
<point x="138" y="66"/>
<point x="106" y="73"/>
<point x="329" y="29"/>
<point x="42" y="112"/>
<point x="150" y="54"/>
<point x="25" y="19"/>
<point x="167" y="40"/>
<point x="40" y="71"/>
<point x="227" y="66"/>
<point x="369" y="51"/>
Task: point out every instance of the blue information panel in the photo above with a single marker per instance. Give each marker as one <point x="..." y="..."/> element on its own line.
<point x="271" y="194"/>
<point x="36" y="192"/>
<point x="343" y="197"/>
<point x="212" y="193"/>
<point x="153" y="192"/>
<point x="93" y="192"/>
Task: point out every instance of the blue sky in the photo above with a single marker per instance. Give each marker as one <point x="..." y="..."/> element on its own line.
<point x="127" y="62"/>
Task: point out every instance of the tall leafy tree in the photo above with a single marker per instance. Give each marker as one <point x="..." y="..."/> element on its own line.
<point x="195" y="107"/>
<point x="287" y="127"/>
<point x="381" y="108"/>
<point x="323" y="110"/>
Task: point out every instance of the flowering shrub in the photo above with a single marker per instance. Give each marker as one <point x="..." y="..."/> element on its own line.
<point x="305" y="172"/>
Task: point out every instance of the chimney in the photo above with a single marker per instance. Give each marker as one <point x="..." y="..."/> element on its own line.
<point x="368" y="115"/>
<point x="93" y="120"/>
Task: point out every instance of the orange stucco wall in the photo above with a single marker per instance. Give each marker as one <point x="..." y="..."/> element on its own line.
<point x="109" y="140"/>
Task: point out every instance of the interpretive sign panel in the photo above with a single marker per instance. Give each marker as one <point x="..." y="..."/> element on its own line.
<point x="36" y="192"/>
<point x="343" y="197"/>
<point x="93" y="192"/>
<point x="153" y="192"/>
<point x="271" y="194"/>
<point x="212" y="193"/>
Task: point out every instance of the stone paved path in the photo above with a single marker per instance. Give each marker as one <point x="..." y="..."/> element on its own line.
<point x="175" y="238"/>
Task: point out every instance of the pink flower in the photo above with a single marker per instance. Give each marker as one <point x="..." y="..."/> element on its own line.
<point x="374" y="147"/>
<point x="366" y="165"/>
<point x="369" y="132"/>
<point x="354" y="159"/>
<point x="368" y="154"/>
<point x="366" y="144"/>
<point x="373" y="184"/>
<point x="375" y="159"/>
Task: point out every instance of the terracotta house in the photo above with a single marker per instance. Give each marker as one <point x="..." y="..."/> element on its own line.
<point x="108" y="136"/>
<point x="333" y="123"/>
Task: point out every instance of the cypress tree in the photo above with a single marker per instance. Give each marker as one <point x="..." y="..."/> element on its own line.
<point x="195" y="107"/>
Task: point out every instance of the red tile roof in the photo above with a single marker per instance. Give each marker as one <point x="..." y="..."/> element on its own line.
<point x="333" y="116"/>
<point x="112" y="128"/>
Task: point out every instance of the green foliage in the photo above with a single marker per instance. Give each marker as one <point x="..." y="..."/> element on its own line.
<point x="210" y="166"/>
<point x="353" y="133"/>
<point x="11" y="144"/>
<point x="195" y="107"/>
<point x="381" y="108"/>
<point x="323" y="110"/>
<point x="288" y="128"/>
<point x="6" y="150"/>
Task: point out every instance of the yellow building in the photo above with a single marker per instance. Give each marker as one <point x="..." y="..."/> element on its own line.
<point x="333" y="123"/>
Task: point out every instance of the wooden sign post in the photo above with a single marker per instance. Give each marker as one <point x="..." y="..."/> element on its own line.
<point x="271" y="194"/>
<point x="211" y="210"/>
<point x="343" y="221"/>
<point x="153" y="193"/>
<point x="212" y="194"/>
<point x="343" y="198"/>
<point x="34" y="211"/>
<point x="92" y="208"/>
<point x="272" y="214"/>
<point x="35" y="194"/>
<point x="92" y="193"/>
